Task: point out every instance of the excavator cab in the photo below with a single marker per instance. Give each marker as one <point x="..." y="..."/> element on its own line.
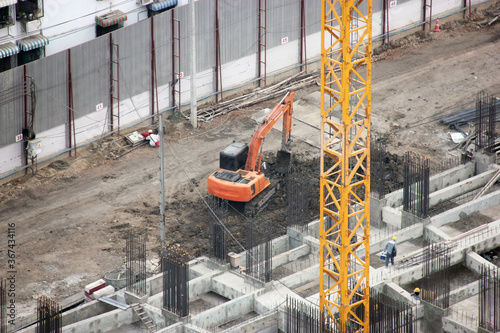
<point x="234" y="156"/>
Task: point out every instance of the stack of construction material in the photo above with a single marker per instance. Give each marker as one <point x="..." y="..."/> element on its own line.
<point x="97" y="289"/>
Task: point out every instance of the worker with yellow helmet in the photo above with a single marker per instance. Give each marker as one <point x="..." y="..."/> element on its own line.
<point x="391" y="251"/>
<point x="416" y="294"/>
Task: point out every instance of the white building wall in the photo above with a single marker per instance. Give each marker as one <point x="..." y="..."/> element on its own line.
<point x="68" y="23"/>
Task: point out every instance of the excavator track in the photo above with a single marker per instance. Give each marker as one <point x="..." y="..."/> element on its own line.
<point x="257" y="204"/>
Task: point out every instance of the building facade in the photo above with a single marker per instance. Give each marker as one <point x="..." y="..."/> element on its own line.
<point x="32" y="29"/>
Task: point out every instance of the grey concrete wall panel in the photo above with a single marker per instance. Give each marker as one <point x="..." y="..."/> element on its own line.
<point x="238" y="25"/>
<point x="377" y="5"/>
<point x="163" y="46"/>
<point x="283" y="20"/>
<point x="50" y="77"/>
<point x="135" y="58"/>
<point x="183" y="15"/>
<point x="313" y="16"/>
<point x="205" y="35"/>
<point x="11" y="105"/>
<point x="90" y="72"/>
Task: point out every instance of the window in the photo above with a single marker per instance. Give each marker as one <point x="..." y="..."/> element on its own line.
<point x="25" y="57"/>
<point x="6" y="16"/>
<point x="8" y="58"/>
<point x="29" y="10"/>
<point x="99" y="31"/>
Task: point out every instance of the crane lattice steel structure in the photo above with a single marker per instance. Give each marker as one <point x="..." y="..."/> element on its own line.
<point x="346" y="31"/>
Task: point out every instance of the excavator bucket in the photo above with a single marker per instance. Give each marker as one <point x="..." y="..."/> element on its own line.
<point x="283" y="158"/>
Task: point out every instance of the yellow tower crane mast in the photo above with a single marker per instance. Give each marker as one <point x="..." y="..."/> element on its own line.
<point x="346" y="45"/>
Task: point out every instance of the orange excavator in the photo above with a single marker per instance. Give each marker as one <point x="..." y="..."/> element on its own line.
<point x="239" y="178"/>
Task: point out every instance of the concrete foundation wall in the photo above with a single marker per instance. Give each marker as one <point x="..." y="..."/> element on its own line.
<point x="104" y="322"/>
<point x="474" y="262"/>
<point x="464" y="292"/>
<point x="224" y="313"/>
<point x="437" y="182"/>
<point x="403" y="235"/>
<point x="462" y="187"/>
<point x="450" y="325"/>
<point x="464" y="210"/>
<point x="267" y="322"/>
<point x="300" y="278"/>
<point x="279" y="245"/>
<point x="433" y="234"/>
<point x="392" y="216"/>
<point x="290" y="256"/>
<point x="175" y="328"/>
<point x="230" y="286"/>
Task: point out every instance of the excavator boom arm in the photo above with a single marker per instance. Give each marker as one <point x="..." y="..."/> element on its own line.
<point x="283" y="108"/>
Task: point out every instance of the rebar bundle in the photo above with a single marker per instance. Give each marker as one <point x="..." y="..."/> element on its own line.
<point x="136" y="264"/>
<point x="489" y="299"/>
<point x="49" y="315"/>
<point x="298" y="199"/>
<point x="259" y="250"/>
<point x="416" y="184"/>
<point x="485" y="122"/>
<point x="388" y="314"/>
<point x="301" y="317"/>
<point x="219" y="214"/>
<point x="175" y="268"/>
<point x="436" y="279"/>
<point x="3" y="306"/>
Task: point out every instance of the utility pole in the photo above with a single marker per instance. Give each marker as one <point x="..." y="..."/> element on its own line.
<point x="194" y="111"/>
<point x="162" y="182"/>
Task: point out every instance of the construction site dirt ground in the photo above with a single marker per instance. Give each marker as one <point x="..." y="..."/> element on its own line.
<point x="71" y="222"/>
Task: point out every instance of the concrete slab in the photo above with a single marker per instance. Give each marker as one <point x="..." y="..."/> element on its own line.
<point x="276" y="295"/>
<point x="231" y="285"/>
<point x="452" y="232"/>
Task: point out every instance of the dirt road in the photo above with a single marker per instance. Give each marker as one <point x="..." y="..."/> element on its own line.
<point x="71" y="224"/>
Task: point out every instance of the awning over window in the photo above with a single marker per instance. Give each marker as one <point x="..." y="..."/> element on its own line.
<point x="32" y="42"/>
<point x="6" y="50"/>
<point x="5" y="3"/>
<point x="110" y="19"/>
<point x="162" y="5"/>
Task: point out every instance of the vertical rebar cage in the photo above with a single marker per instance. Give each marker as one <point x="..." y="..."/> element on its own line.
<point x="298" y="199"/>
<point x="489" y="299"/>
<point x="436" y="279"/>
<point x="485" y="122"/>
<point x="259" y="250"/>
<point x="175" y="268"/>
<point x="136" y="264"/>
<point x="49" y="315"/>
<point x="219" y="215"/>
<point x="301" y="317"/>
<point x="416" y="184"/>
<point x="388" y="314"/>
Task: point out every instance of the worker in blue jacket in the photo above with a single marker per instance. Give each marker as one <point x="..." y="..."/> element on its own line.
<point x="391" y="251"/>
